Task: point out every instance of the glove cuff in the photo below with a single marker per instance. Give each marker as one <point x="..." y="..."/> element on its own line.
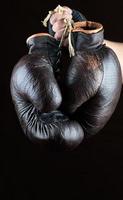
<point x="31" y="38"/>
<point x="43" y="44"/>
<point x="88" y="35"/>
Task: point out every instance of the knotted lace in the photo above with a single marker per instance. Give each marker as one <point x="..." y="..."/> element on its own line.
<point x="67" y="30"/>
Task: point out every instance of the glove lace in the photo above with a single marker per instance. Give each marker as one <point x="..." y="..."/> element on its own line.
<point x="67" y="30"/>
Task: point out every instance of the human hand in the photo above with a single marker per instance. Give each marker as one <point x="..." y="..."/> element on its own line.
<point x="58" y="23"/>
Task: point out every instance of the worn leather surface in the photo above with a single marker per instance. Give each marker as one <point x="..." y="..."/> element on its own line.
<point x="37" y="97"/>
<point x="57" y="106"/>
<point x="92" y="83"/>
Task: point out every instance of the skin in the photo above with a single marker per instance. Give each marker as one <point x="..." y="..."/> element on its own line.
<point x="118" y="49"/>
<point x="58" y="25"/>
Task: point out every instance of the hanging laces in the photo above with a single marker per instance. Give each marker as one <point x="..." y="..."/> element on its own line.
<point x="67" y="30"/>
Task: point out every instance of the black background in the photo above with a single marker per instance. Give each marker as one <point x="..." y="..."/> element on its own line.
<point x="95" y="168"/>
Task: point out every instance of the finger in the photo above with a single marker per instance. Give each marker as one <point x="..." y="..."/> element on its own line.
<point x="58" y="25"/>
<point x="58" y="34"/>
<point x="57" y="16"/>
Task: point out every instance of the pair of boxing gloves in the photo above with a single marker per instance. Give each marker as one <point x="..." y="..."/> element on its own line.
<point x="64" y="105"/>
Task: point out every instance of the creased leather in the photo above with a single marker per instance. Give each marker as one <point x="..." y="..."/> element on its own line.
<point x="92" y="84"/>
<point x="37" y="97"/>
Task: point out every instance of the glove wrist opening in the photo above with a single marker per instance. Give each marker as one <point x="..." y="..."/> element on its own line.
<point x="87" y="27"/>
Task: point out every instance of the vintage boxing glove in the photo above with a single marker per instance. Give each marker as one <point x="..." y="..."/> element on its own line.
<point x="92" y="82"/>
<point x="37" y="96"/>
